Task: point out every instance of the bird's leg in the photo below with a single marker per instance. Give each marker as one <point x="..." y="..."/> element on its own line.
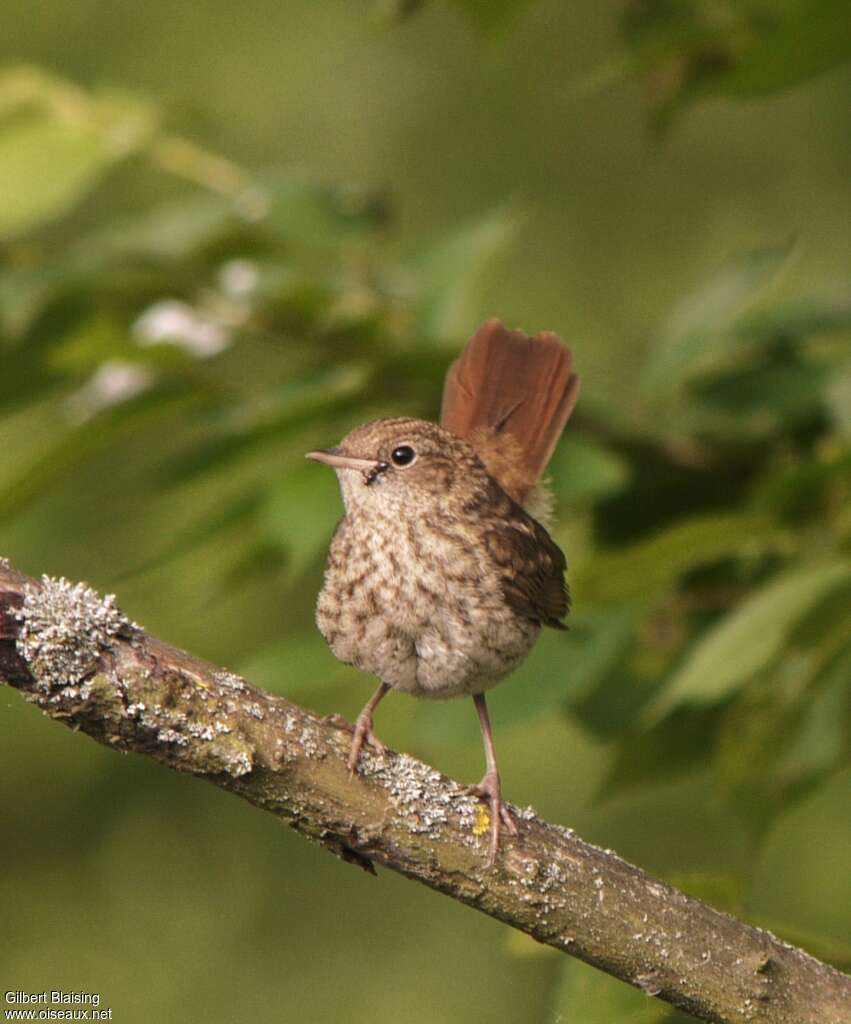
<point x="489" y="787"/>
<point x="363" y="728"/>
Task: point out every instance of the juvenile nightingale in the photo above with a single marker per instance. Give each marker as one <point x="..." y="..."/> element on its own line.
<point x="438" y="580"/>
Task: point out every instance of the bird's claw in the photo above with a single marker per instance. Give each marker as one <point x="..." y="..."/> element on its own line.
<point x="363" y="734"/>
<point x="489" y="789"/>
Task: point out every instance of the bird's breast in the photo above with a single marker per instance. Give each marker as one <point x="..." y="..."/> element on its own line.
<point x="414" y="602"/>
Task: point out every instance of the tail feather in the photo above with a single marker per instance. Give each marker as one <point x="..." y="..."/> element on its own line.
<point x="511" y="395"/>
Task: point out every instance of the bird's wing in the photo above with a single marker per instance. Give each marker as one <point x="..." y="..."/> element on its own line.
<point x="531" y="568"/>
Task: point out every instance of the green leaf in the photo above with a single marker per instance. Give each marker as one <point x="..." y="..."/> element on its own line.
<point x="651" y="567"/>
<point x="824" y="740"/>
<point x="73" y="446"/>
<point x="776" y="746"/>
<point x="45" y="167"/>
<point x="603" y="694"/>
<point x="680" y="743"/>
<point x="307" y="213"/>
<point x="798" y="40"/>
<point x="748" y="639"/>
<point x="566" y="666"/>
<point x="448" y="276"/>
<point x="235" y="515"/>
<point x="806" y="489"/>
<point x="307" y="398"/>
<point x="24" y="293"/>
<point x="58" y="144"/>
<point x="797" y="318"/>
<point x="175" y="230"/>
<point x="760" y="399"/>
<point x="85" y="348"/>
<point x="300" y="514"/>
<point x="584" y="472"/>
<point x="756" y="732"/>
<point x="790" y="730"/>
<point x="690" y="51"/>
<point x="826" y="624"/>
<point x="698" y="330"/>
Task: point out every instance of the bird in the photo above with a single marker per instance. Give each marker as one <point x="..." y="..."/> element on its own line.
<point x="441" y="573"/>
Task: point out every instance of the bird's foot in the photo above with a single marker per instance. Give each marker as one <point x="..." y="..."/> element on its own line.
<point x="363" y="734"/>
<point x="489" y="788"/>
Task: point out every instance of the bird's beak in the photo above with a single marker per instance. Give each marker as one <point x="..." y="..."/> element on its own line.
<point x="332" y="457"/>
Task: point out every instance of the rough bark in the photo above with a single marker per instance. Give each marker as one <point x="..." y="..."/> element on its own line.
<point x="75" y="656"/>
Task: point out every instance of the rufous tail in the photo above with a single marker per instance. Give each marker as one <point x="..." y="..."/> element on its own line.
<point x="510" y="396"/>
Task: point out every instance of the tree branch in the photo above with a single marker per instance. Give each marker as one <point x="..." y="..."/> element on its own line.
<point x="77" y="657"/>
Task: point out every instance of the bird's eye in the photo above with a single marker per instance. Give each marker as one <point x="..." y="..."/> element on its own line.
<point x="404" y="455"/>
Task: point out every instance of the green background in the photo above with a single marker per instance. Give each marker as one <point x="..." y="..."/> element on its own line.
<point x="666" y="186"/>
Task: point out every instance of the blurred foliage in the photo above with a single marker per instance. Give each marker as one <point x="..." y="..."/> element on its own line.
<point x="169" y="361"/>
<point x="684" y="51"/>
<point x="739" y="49"/>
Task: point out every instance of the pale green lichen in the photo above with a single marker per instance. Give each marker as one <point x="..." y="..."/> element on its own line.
<point x="230" y="681"/>
<point x="421" y="795"/>
<point x="207" y="740"/>
<point x="65" y="627"/>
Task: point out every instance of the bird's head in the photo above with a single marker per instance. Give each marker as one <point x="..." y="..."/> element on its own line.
<point x="394" y="464"/>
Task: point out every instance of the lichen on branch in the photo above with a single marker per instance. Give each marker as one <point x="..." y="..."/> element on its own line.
<point x="64" y="629"/>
